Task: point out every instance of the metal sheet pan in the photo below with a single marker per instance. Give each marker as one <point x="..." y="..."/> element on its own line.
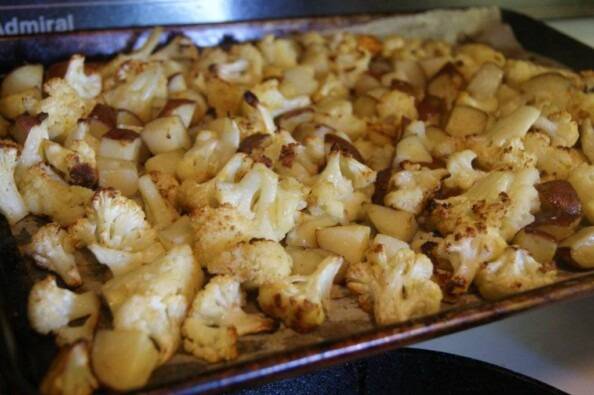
<point x="27" y="354"/>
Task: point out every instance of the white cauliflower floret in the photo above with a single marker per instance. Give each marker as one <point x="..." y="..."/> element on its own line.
<point x="12" y="205"/>
<point x="582" y="180"/>
<point x="160" y="212"/>
<point x="394" y="286"/>
<point x="139" y="91"/>
<point x="414" y="145"/>
<point x="301" y="301"/>
<point x="561" y="128"/>
<point x="194" y="195"/>
<point x="554" y="163"/>
<point x="70" y="373"/>
<point x="503" y="200"/>
<point x="217" y="312"/>
<point x="477" y="223"/>
<point x="51" y="309"/>
<point x="514" y="271"/>
<point x="45" y="193"/>
<point x="117" y="233"/>
<point x="120" y="222"/>
<point x="77" y="163"/>
<point x="338" y="114"/>
<point x="268" y="95"/>
<point x="462" y="174"/>
<point x="253" y="263"/>
<point x="63" y="106"/>
<point x="211" y="151"/>
<point x="32" y="153"/>
<point x="466" y="250"/>
<point x="154" y="298"/>
<point x="87" y="86"/>
<point x="341" y="188"/>
<point x="217" y="229"/>
<point x="411" y="188"/>
<point x="501" y="146"/>
<point x="53" y="249"/>
<point x="271" y="205"/>
<point x="289" y="157"/>
<point x="397" y="105"/>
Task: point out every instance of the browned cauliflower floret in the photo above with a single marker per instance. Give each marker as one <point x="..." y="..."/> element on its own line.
<point x="216" y="319"/>
<point x="514" y="271"/>
<point x="77" y="163"/>
<point x="554" y="162"/>
<point x="70" y="373"/>
<point x="63" y="106"/>
<point x="87" y="85"/>
<point x="253" y="263"/>
<point x="45" y="193"/>
<point x="212" y="149"/>
<point x="51" y="309"/>
<point x="477" y="223"/>
<point x="53" y="249"/>
<point x="462" y="174"/>
<point x="116" y="231"/>
<point x="411" y="188"/>
<point x="217" y="229"/>
<point x="12" y="205"/>
<point x="271" y="204"/>
<point x="394" y="285"/>
<point x="300" y="302"/>
<point x="341" y="188"/>
<point x="155" y="297"/>
<point x="138" y="91"/>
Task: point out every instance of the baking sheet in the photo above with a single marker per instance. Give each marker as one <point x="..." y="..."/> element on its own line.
<point x="348" y="329"/>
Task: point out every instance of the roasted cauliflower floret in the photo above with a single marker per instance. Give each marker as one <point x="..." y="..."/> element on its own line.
<point x="211" y="151"/>
<point x="465" y="250"/>
<point x="155" y="297"/>
<point x="45" y="193"/>
<point x="477" y="223"/>
<point x="51" y="309"/>
<point x="554" y="163"/>
<point x="300" y="302"/>
<point x="63" y="106"/>
<point x="341" y="188"/>
<point x="216" y="319"/>
<point x="53" y="249"/>
<point x="138" y="91"/>
<point x="560" y="127"/>
<point x="12" y="205"/>
<point x="462" y="174"/>
<point x="272" y="205"/>
<point x="502" y="200"/>
<point x="411" y="188"/>
<point x="159" y="210"/>
<point x="514" y="271"/>
<point x="77" y="163"/>
<point x="253" y="263"/>
<point x="394" y="285"/>
<point x="70" y="373"/>
<point x="217" y="229"/>
<point x="115" y="229"/>
<point x="86" y="85"/>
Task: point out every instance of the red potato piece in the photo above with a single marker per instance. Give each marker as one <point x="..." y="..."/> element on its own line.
<point x="560" y="209"/>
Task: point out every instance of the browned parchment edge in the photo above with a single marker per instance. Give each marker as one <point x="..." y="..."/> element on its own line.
<point x="325" y="353"/>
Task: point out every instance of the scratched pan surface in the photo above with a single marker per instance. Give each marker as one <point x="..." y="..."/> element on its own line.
<point x="24" y="355"/>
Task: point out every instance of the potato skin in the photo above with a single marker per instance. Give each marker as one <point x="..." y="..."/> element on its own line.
<point x="560" y="209"/>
